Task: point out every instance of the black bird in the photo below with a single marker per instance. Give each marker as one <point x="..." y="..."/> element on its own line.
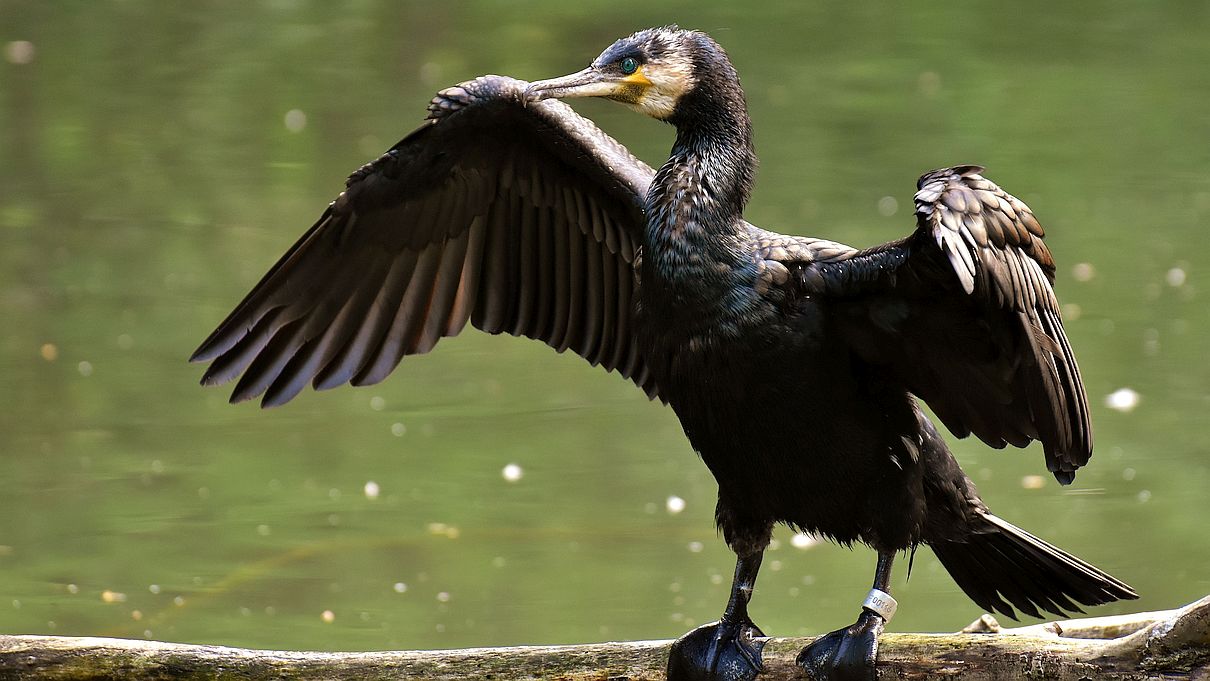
<point x="793" y="363"/>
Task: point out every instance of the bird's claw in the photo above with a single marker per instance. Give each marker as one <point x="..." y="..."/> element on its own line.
<point x="719" y="651"/>
<point x="847" y="654"/>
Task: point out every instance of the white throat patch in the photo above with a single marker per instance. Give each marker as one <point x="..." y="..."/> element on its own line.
<point x="670" y="80"/>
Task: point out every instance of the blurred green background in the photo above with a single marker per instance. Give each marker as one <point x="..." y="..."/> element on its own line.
<point x="156" y="158"/>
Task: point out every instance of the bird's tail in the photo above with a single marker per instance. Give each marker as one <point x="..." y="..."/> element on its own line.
<point x="1001" y="562"/>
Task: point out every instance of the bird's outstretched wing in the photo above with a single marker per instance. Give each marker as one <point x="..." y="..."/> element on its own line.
<point x="963" y="313"/>
<point x="521" y="219"/>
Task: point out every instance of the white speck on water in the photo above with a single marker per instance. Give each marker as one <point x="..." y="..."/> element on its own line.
<point x="444" y="530"/>
<point x="1128" y="474"/>
<point x="245" y="611"/>
<point x="328" y="616"/>
<point x="808" y="580"/>
<point x="398" y="429"/>
<point x="333" y="519"/>
<point x="154" y="588"/>
<point x="377" y="403"/>
<point x="371" y="490"/>
<point x="203" y="493"/>
<point x="696" y="547"/>
<point x="295" y="120"/>
<point x="775" y="565"/>
<point x="19" y="52"/>
<point x="1033" y="482"/>
<point x="499" y="562"/>
<point x="1175" y="277"/>
<point x="512" y="472"/>
<point x="674" y="504"/>
<point x="400" y="587"/>
<point x="113" y="596"/>
<point x="125" y="342"/>
<point x="333" y="494"/>
<point x="85" y="368"/>
<point x="716" y="578"/>
<point x="443" y="596"/>
<point x="674" y="587"/>
<point x="1072" y="311"/>
<point x="16" y="604"/>
<point x="1144" y="496"/>
<point x="1083" y="271"/>
<point x="804" y="541"/>
<point x="263" y="530"/>
<point x="888" y="206"/>
<point x="649" y="507"/>
<point x="1123" y="400"/>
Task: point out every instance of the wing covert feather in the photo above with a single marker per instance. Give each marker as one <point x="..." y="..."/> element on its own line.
<point x="964" y="313"/>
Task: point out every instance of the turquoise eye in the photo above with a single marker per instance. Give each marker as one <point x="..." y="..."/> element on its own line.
<point x="629" y="65"/>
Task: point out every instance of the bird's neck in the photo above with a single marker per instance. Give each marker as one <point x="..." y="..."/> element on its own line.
<point x="718" y="142"/>
<point x="695" y="205"/>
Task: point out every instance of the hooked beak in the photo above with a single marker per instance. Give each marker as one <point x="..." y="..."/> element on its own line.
<point x="587" y="83"/>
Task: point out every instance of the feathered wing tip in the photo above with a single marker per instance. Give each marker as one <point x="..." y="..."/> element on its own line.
<point x="1003" y="566"/>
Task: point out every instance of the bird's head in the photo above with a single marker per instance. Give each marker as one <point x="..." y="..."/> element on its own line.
<point x="650" y="71"/>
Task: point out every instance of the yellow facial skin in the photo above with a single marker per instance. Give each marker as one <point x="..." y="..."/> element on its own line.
<point x="637" y="78"/>
<point x="653" y="89"/>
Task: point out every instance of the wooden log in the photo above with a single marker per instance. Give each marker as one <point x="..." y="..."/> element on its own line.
<point x="1152" y="645"/>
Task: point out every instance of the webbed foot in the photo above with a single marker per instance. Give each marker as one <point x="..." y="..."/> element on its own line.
<point x="846" y="654"/>
<point x="719" y="651"/>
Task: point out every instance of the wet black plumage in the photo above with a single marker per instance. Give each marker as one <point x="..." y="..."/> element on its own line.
<point x="793" y="363"/>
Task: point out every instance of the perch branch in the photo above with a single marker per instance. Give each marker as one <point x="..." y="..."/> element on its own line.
<point x="1150" y="645"/>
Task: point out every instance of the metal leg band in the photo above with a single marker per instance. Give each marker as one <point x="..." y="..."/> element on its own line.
<point x="880" y="603"/>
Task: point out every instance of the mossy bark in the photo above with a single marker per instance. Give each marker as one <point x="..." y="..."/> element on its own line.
<point x="1172" y="644"/>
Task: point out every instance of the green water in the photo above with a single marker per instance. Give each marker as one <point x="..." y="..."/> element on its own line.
<point x="148" y="177"/>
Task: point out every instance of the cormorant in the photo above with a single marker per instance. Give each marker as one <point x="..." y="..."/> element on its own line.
<point x="794" y="364"/>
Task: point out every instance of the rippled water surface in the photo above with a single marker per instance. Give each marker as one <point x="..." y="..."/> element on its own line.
<point x="156" y="158"/>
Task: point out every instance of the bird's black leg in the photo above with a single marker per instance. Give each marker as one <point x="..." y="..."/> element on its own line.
<point x="849" y="654"/>
<point x="729" y="649"/>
